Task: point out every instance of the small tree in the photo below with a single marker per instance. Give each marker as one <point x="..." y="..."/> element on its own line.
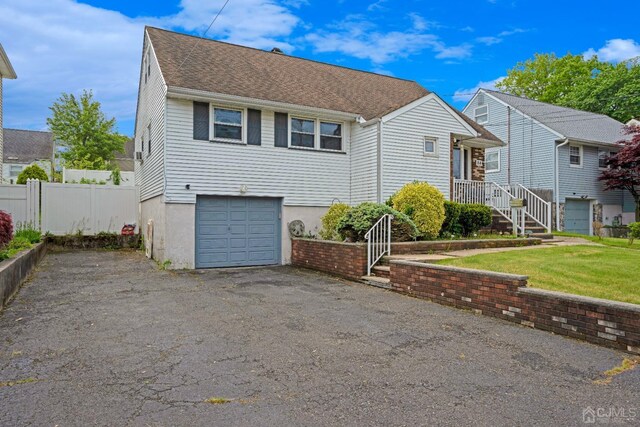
<point x="623" y="171"/>
<point x="32" y="172"/>
<point x="79" y="125"/>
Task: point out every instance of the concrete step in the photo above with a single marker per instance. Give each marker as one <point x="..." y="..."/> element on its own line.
<point x="378" y="282"/>
<point x="543" y="236"/>
<point x="381" y="271"/>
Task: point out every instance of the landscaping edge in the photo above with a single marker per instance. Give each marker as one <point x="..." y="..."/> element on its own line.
<point x="506" y="296"/>
<point x="14" y="271"/>
<point x="98" y="241"/>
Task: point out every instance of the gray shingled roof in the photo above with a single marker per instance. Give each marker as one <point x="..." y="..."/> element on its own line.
<point x="26" y="146"/>
<point x="125" y="160"/>
<point x="570" y="123"/>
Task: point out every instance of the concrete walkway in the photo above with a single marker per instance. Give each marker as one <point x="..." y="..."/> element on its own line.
<point x="556" y="242"/>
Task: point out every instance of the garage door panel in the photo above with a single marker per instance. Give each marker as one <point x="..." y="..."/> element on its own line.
<point x="577" y="216"/>
<point x="237" y="231"/>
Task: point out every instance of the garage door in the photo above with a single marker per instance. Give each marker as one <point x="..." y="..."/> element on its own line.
<point x="237" y="231"/>
<point x="577" y="216"/>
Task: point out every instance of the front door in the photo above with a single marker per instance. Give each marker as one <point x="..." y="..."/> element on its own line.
<point x="461" y="163"/>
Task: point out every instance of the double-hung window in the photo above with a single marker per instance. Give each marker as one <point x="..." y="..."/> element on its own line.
<point x="603" y="155"/>
<point x="303" y="132"/>
<point x="491" y="161"/>
<point x="227" y="124"/>
<point x="575" y="155"/>
<point x="482" y="114"/>
<point x="330" y="136"/>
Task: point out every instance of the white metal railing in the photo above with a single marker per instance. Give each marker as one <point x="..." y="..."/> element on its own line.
<point x="378" y="241"/>
<point x="485" y="193"/>
<point x="537" y="209"/>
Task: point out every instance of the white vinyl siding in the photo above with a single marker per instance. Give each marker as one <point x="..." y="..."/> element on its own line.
<point x="151" y="111"/>
<point x="364" y="142"/>
<point x="403" y="158"/>
<point x="301" y="177"/>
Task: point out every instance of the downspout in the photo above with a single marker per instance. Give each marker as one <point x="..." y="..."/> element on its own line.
<point x="379" y="166"/>
<point x="509" y="146"/>
<point x="557" y="189"/>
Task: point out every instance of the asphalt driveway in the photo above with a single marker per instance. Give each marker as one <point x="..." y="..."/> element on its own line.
<point x="106" y="338"/>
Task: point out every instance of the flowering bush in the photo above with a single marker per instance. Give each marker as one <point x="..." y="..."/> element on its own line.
<point x="424" y="204"/>
<point x="330" y="221"/>
<point x="6" y="229"/>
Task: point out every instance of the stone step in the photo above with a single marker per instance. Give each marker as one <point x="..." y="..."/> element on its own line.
<point x="378" y="282"/>
<point x="381" y="271"/>
<point x="543" y="236"/>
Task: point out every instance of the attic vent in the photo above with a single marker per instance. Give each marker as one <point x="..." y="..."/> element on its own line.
<point x="481" y="98"/>
<point x="277" y="50"/>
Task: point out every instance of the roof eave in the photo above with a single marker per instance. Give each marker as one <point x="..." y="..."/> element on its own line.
<point x="6" y="69"/>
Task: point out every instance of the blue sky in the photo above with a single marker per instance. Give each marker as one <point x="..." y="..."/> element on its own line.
<point x="450" y="48"/>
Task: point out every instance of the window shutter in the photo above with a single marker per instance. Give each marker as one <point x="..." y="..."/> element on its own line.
<point x="201" y="121"/>
<point x="254" y="127"/>
<point x="281" y="130"/>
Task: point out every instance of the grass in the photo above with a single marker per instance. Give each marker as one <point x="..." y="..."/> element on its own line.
<point x="17" y="382"/>
<point x="626" y="365"/>
<point x="218" y="400"/>
<point x="595" y="271"/>
<point x="608" y="241"/>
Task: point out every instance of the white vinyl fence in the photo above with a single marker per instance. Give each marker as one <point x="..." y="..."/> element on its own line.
<point x="71" y="208"/>
<point x="73" y="176"/>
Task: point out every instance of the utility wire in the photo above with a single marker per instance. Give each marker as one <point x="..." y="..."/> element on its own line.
<point x="203" y="34"/>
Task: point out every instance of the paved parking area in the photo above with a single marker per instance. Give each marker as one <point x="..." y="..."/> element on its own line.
<point x="106" y="338"/>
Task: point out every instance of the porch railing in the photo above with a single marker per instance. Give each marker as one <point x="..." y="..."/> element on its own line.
<point x="537" y="208"/>
<point x="485" y="193"/>
<point x="378" y="241"/>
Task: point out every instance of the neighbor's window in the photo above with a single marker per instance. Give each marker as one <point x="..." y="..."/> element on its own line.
<point x="491" y="161"/>
<point x="330" y="136"/>
<point x="602" y="158"/>
<point x="14" y="170"/>
<point x="430" y="146"/>
<point x="227" y="124"/>
<point x="575" y="155"/>
<point x="482" y="115"/>
<point x="302" y="132"/>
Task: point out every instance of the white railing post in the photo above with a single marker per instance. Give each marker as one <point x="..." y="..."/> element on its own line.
<point x="378" y="241"/>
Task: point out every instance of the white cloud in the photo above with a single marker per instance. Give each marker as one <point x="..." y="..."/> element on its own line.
<point x="464" y="95"/>
<point x="65" y="46"/>
<point x="491" y="40"/>
<point x="616" y="50"/>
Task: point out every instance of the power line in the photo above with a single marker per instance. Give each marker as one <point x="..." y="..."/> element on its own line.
<point x="203" y="34"/>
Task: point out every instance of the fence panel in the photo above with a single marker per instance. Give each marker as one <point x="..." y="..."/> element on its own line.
<point x="87" y="209"/>
<point x="22" y="202"/>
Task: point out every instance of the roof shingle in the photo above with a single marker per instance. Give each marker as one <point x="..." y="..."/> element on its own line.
<point x="27" y="146"/>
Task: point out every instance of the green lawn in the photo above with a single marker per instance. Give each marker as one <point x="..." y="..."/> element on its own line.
<point x="596" y="271"/>
<point x="609" y="241"/>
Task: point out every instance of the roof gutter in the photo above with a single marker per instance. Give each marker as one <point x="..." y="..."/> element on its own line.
<point x="557" y="189"/>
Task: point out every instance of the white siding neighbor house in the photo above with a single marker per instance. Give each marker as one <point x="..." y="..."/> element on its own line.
<point x="557" y="152"/>
<point x="234" y="143"/>
<point x="6" y="72"/>
<point x="23" y="148"/>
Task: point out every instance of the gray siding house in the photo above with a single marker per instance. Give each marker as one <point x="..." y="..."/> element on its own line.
<point x="555" y="151"/>
<point x="6" y="72"/>
<point x="234" y="143"/>
<point x="23" y="148"/>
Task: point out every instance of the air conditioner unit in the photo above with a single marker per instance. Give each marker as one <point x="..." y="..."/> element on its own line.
<point x="138" y="155"/>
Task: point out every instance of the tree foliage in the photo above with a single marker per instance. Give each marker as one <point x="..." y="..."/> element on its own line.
<point x="32" y="172"/>
<point x="89" y="139"/>
<point x="578" y="82"/>
<point x="623" y="171"/>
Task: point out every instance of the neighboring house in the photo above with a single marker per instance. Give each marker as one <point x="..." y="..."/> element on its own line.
<point x="555" y="151"/>
<point x="236" y="142"/>
<point x="6" y="72"/>
<point x="124" y="160"/>
<point x="23" y="148"/>
<point x="633" y="122"/>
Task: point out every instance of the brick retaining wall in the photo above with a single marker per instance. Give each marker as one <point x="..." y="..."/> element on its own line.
<point x="402" y="248"/>
<point x="343" y="259"/>
<point x="505" y="296"/>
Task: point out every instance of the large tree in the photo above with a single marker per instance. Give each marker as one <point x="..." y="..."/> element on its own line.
<point x="579" y="82"/>
<point x="623" y="172"/>
<point x="79" y="126"/>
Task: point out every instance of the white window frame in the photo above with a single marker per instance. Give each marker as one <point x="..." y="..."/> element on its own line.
<point x="212" y="124"/>
<point x="485" y="114"/>
<point x="12" y="167"/>
<point x="432" y="139"/>
<point x="329" y="122"/>
<point x="316" y="130"/>
<point x="581" y="151"/>
<point x="486" y="162"/>
<point x="608" y="153"/>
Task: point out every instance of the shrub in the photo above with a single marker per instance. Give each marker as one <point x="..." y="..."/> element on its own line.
<point x="116" y="176"/>
<point x="330" y="221"/>
<point x="6" y="228"/>
<point x="32" y="172"/>
<point x="358" y="220"/>
<point x="28" y="232"/>
<point x="424" y="204"/>
<point x="473" y="217"/>
<point x="634" y="231"/>
<point x="18" y="244"/>
<point x="451" y="224"/>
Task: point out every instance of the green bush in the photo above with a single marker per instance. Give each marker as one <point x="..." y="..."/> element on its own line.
<point x="634" y="231"/>
<point x="473" y="217"/>
<point x="451" y="224"/>
<point x="18" y="244"/>
<point x="354" y="224"/>
<point x="330" y="221"/>
<point x="424" y="203"/>
<point x="32" y="172"/>
<point x="28" y="232"/>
